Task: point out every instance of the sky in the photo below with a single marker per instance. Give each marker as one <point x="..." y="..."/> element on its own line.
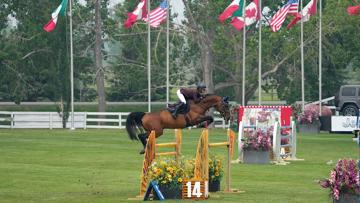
<point x="178" y="7"/>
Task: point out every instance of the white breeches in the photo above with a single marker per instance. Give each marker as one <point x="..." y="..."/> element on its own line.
<point x="181" y="96"/>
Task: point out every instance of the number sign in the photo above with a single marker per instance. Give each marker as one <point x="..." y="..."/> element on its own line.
<point x="195" y="189"/>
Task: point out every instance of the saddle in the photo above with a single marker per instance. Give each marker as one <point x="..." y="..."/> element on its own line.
<point x="179" y="108"/>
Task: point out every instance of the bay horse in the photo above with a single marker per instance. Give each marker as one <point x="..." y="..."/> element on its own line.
<point x="138" y="122"/>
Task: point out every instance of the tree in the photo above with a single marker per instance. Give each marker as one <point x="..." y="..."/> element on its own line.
<point x="129" y="81"/>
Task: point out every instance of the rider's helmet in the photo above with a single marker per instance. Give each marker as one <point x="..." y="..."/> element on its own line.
<point x="201" y="87"/>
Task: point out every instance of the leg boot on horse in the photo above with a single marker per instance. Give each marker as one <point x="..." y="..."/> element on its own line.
<point x="143" y="138"/>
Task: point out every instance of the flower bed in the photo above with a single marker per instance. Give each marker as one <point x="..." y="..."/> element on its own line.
<point x="216" y="173"/>
<point x="256" y="146"/>
<point x="170" y="174"/>
<point x="343" y="181"/>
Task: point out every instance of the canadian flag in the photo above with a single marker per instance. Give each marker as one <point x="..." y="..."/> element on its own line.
<point x="304" y="15"/>
<point x="252" y="14"/>
<point x="138" y="14"/>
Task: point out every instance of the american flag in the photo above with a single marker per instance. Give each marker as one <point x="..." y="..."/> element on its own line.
<point x="291" y="7"/>
<point x="158" y="15"/>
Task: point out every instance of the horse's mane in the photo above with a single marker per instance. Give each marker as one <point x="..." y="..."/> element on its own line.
<point x="207" y="98"/>
<point x="214" y="95"/>
<point x="207" y="95"/>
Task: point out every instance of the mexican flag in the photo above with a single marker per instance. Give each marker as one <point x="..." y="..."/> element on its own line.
<point x="251" y="16"/>
<point x="50" y="26"/>
<point x="235" y="6"/>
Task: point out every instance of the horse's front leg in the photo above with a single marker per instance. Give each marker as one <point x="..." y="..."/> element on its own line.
<point x="208" y="119"/>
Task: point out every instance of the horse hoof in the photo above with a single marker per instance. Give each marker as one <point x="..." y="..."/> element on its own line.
<point x="142" y="151"/>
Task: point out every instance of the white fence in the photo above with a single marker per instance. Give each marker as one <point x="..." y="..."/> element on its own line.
<point x="50" y="120"/>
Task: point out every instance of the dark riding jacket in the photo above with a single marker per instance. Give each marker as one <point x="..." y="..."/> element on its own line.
<point x="191" y="94"/>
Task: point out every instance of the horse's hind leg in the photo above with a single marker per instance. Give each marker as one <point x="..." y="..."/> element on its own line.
<point x="143" y="138"/>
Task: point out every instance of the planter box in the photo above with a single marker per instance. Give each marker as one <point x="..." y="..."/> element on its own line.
<point x="313" y="128"/>
<point x="214" y="186"/>
<point x="348" y="198"/>
<point x="256" y="157"/>
<point x="325" y="123"/>
<point x="170" y="193"/>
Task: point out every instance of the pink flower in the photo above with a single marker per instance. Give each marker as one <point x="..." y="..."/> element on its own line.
<point x="336" y="194"/>
<point x="257" y="140"/>
<point x="344" y="178"/>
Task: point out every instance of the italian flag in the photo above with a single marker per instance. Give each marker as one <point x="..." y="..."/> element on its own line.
<point x="50" y="26"/>
<point x="251" y="16"/>
<point x="234" y="6"/>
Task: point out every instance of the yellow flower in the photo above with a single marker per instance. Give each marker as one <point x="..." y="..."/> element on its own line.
<point x="179" y="180"/>
<point x="170" y="169"/>
<point x="217" y="174"/>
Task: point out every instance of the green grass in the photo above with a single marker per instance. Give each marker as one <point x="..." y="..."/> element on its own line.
<point x="104" y="166"/>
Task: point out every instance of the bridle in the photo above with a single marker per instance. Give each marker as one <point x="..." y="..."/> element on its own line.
<point x="225" y="108"/>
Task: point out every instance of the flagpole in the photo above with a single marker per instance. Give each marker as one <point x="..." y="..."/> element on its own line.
<point x="302" y="62"/>
<point x="167" y="53"/>
<point x="243" y="57"/>
<point x="320" y="56"/>
<point x="259" y="52"/>
<point x="149" y="57"/>
<point x="71" y="67"/>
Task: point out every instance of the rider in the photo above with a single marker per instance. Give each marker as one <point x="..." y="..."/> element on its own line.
<point x="185" y="94"/>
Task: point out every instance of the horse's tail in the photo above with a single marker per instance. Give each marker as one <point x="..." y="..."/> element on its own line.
<point x="132" y="122"/>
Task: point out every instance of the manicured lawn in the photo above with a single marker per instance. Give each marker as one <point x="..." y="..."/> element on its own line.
<point x="104" y="166"/>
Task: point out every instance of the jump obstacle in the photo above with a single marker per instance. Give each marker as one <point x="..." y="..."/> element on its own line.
<point x="201" y="170"/>
<point x="150" y="154"/>
<point x="264" y="117"/>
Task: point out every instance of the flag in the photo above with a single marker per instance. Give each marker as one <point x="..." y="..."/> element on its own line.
<point x="353" y="10"/>
<point x="251" y="16"/>
<point x="158" y="15"/>
<point x="138" y="14"/>
<point x="294" y="8"/>
<point x="50" y="26"/>
<point x="235" y="6"/>
<point x="279" y="18"/>
<point x="308" y="10"/>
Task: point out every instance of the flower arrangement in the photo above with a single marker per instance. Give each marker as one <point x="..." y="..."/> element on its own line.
<point x="344" y="179"/>
<point x="216" y="170"/>
<point x="168" y="173"/>
<point x="257" y="140"/>
<point x="310" y="115"/>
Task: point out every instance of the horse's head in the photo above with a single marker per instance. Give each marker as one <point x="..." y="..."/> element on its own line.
<point x="221" y="104"/>
<point x="223" y="107"/>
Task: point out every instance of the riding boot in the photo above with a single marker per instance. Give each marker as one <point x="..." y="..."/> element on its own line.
<point x="143" y="139"/>
<point x="177" y="108"/>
